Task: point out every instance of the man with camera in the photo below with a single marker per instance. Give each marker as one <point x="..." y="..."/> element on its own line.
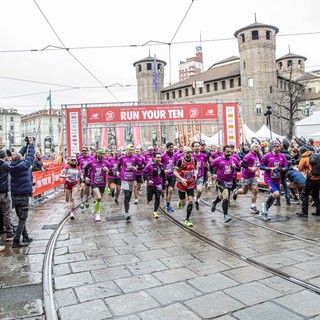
<point x="21" y="189"/>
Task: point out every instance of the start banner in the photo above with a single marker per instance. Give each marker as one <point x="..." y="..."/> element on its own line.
<point x="163" y="112"/>
<point x="46" y="180"/>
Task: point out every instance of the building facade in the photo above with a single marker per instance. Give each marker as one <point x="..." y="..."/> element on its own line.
<point x="192" y="66"/>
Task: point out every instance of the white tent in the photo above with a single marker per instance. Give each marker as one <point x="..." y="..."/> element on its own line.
<point x="308" y="126"/>
<point x="213" y="140"/>
<point x="264" y="133"/>
<point x="247" y="132"/>
<point x="315" y="136"/>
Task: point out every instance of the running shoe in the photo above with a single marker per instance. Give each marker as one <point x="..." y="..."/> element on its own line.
<point x="128" y="217"/>
<point x="97" y="217"/>
<point x="234" y="195"/>
<point x="136" y="201"/>
<point x="227" y="218"/>
<point x="179" y="206"/>
<point x="86" y="204"/>
<point x="213" y="207"/>
<point x="155" y="214"/>
<point x="197" y="205"/>
<point x="188" y="223"/>
<point x="71" y="215"/>
<point x="170" y="209"/>
<point x="254" y="210"/>
<point x="2" y="247"/>
<point x="264" y="212"/>
<point x="116" y="201"/>
<point x="295" y="201"/>
<point x="81" y="205"/>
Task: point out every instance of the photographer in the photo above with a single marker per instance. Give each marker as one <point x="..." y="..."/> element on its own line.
<point x="21" y="189"/>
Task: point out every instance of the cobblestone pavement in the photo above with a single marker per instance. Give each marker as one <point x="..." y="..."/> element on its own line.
<point x="152" y="269"/>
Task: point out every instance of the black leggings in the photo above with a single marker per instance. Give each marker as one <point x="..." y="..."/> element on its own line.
<point x="127" y="198"/>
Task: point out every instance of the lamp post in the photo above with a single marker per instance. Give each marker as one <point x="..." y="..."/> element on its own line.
<point x="268" y="113"/>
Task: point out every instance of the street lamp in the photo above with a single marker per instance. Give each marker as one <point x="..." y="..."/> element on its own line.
<point x="267" y="114"/>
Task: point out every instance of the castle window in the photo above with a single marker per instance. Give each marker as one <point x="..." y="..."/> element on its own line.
<point x="186" y="92"/>
<point x="280" y="65"/>
<point x="289" y="63"/>
<point x="11" y="119"/>
<point x="208" y="87"/>
<point x="139" y="67"/>
<point x="215" y="86"/>
<point x="193" y="91"/>
<point x="200" y="90"/>
<point x="244" y="64"/>
<point x="173" y="94"/>
<point x="268" y="34"/>
<point x="270" y="89"/>
<point x="180" y="93"/>
<point x="231" y="83"/>
<point x="167" y="95"/>
<point x="243" y="39"/>
<point x="258" y="108"/>
<point x="255" y="35"/>
<point x="250" y="82"/>
<point x="299" y="63"/>
<point x="239" y="82"/>
<point x="11" y="128"/>
<point x="285" y="86"/>
<point x="159" y="66"/>
<point x="223" y="85"/>
<point x="280" y="84"/>
<point x="149" y="66"/>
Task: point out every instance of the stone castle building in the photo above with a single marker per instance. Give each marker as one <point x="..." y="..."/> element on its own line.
<point x="256" y="79"/>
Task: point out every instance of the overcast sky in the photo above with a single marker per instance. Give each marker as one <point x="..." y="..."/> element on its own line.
<point x="100" y="35"/>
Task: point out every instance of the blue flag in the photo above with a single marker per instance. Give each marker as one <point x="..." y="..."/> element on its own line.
<point x="155" y="80"/>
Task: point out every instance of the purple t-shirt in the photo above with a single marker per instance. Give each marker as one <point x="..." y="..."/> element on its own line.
<point x="169" y="161"/>
<point x="178" y="155"/>
<point x="97" y="175"/>
<point x="201" y="161"/>
<point x="225" y="172"/>
<point x="252" y="160"/>
<point x="113" y="167"/>
<point x="126" y="163"/>
<point x="148" y="157"/>
<point x="83" y="161"/>
<point x="142" y="162"/>
<point x="157" y="181"/>
<point x="216" y="154"/>
<point x="273" y="160"/>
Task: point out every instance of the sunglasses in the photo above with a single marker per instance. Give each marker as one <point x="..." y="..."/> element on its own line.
<point x="84" y="150"/>
<point x="73" y="160"/>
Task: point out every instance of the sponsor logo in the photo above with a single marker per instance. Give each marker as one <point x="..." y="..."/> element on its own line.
<point x="94" y="116"/>
<point x="110" y="116"/>
<point x="210" y="112"/>
<point x="194" y="113"/>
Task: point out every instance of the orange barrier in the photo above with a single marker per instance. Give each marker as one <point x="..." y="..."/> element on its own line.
<point x="46" y="180"/>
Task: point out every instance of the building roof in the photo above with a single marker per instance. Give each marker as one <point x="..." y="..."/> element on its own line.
<point x="149" y="59"/>
<point x="215" y="73"/>
<point x="230" y="59"/>
<point x="309" y="76"/>
<point x="291" y="56"/>
<point x="256" y="25"/>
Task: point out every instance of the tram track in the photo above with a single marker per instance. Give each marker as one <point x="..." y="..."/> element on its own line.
<point x="251" y="261"/>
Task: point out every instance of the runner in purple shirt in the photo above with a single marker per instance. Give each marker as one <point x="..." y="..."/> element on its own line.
<point x="96" y="173"/>
<point x="138" y="179"/>
<point x="202" y="163"/>
<point x="155" y="176"/>
<point x="114" y="179"/>
<point x="250" y="167"/>
<point x="169" y="161"/>
<point x="83" y="159"/>
<point x="149" y="156"/>
<point x="225" y="167"/>
<point x="273" y="163"/>
<point x="128" y="165"/>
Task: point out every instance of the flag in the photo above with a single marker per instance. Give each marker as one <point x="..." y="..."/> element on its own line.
<point x="50" y="103"/>
<point x="155" y="80"/>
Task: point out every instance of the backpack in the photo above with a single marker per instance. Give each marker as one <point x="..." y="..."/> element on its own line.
<point x="315" y="163"/>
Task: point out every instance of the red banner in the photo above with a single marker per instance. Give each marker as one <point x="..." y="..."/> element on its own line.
<point x="230" y="124"/>
<point x="104" y="138"/>
<point x="74" y="133"/>
<point x="158" y="113"/>
<point x="120" y="137"/>
<point x="46" y="180"/>
<point x="136" y="136"/>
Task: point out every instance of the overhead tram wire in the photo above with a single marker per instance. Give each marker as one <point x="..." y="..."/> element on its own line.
<point x="68" y="50"/>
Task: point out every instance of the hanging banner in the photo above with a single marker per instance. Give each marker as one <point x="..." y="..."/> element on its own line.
<point x="104" y="138"/>
<point x="119" y="131"/>
<point x="230" y="124"/>
<point x="136" y="136"/>
<point x="158" y="113"/>
<point x="189" y="133"/>
<point x="74" y="132"/>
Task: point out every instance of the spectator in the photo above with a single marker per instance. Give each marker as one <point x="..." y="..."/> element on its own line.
<point x="21" y="188"/>
<point x="37" y="164"/>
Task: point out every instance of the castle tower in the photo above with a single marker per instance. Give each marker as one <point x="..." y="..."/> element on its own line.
<point x="257" y="48"/>
<point x="147" y="70"/>
<point x="291" y="66"/>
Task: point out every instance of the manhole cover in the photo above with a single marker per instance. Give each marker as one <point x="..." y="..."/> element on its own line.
<point x="49" y="227"/>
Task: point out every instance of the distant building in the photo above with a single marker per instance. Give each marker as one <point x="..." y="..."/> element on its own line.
<point x="10" y="129"/>
<point x="192" y="66"/>
<point x="45" y="126"/>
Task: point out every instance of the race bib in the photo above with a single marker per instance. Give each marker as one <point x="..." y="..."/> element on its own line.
<point x="128" y="175"/>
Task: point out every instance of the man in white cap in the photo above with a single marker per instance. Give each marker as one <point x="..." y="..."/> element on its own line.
<point x="250" y="166"/>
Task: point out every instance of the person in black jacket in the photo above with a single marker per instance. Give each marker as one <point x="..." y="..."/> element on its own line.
<point x="21" y="189"/>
